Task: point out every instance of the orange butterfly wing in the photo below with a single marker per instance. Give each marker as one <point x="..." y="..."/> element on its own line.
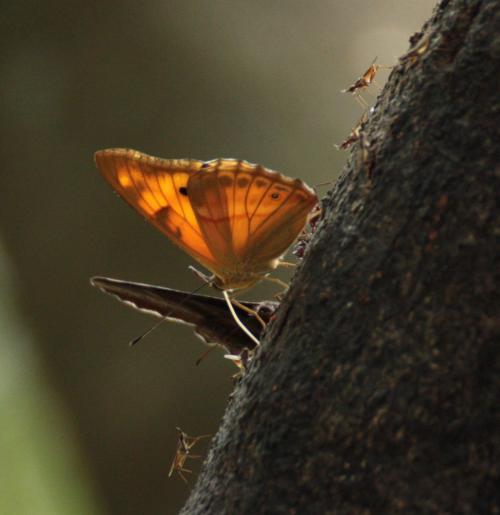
<point x="234" y="217"/>
<point x="154" y="187"/>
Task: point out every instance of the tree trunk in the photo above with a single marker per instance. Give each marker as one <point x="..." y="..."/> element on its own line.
<point x="376" y="389"/>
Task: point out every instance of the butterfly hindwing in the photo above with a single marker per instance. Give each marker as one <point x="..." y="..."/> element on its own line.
<point x="245" y="210"/>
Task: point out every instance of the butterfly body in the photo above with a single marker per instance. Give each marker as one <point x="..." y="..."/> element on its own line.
<point x="233" y="217"/>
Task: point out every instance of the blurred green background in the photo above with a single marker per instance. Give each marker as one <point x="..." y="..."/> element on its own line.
<point x="88" y="424"/>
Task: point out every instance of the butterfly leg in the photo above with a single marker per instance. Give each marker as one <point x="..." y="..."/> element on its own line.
<point x="249" y="311"/>
<point x="236" y="319"/>
<point x="281" y="283"/>
<point x="207" y="279"/>
<point x="275" y="280"/>
<point x="286" y="264"/>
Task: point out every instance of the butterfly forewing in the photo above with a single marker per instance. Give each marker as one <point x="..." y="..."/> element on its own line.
<point x="154" y="187"/>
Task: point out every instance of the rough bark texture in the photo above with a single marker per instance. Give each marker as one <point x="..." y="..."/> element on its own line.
<point x="376" y="389"/>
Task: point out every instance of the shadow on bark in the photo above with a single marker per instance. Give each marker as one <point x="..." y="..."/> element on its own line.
<point x="376" y="390"/>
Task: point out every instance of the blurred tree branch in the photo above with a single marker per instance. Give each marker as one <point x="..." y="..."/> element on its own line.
<point x="376" y="389"/>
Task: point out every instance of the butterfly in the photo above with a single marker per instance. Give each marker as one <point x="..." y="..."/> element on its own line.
<point x="208" y="315"/>
<point x="233" y="217"/>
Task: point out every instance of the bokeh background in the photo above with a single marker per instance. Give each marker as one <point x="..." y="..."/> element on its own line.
<point x="87" y="424"/>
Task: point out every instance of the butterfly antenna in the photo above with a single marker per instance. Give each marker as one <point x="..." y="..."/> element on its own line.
<point x="165" y="317"/>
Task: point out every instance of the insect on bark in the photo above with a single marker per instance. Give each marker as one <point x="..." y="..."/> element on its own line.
<point x="184" y="445"/>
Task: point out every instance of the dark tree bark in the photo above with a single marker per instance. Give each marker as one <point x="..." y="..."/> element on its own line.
<point x="376" y="389"/>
